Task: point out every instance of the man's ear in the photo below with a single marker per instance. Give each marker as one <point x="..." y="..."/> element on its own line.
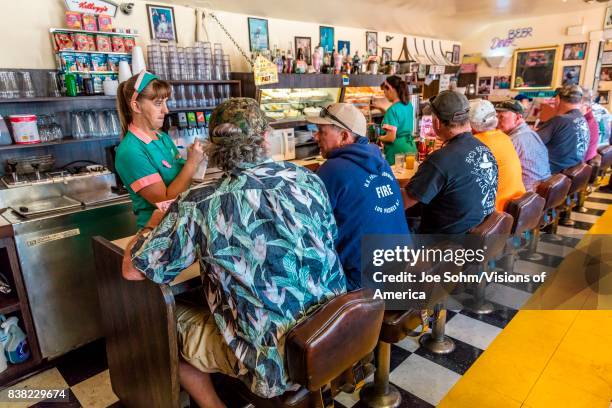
<point x="347" y="137"/>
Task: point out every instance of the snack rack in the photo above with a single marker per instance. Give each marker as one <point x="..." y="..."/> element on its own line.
<point x="60" y="53"/>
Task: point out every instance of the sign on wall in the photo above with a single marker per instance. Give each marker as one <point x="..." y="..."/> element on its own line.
<point x="92" y="6"/>
<point x="513" y="34"/>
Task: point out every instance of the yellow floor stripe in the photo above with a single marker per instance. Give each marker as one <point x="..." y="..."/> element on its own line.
<point x="548" y="358"/>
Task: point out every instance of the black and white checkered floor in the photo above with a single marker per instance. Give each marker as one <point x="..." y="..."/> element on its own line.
<point x="422" y="378"/>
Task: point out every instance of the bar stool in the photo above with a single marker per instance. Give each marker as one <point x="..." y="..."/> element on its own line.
<point x="595" y="164"/>
<point x="579" y="176"/>
<point x="492" y="233"/>
<point x="527" y="212"/>
<point x="606" y="162"/>
<point x="554" y="192"/>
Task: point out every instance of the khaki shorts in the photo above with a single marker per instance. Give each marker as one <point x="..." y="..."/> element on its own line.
<point x="201" y="343"/>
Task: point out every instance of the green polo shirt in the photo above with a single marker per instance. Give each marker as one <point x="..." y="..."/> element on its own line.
<point x="399" y="118"/>
<point x="141" y="161"/>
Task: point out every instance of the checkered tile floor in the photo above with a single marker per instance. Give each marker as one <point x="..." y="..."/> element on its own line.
<point x="422" y="378"/>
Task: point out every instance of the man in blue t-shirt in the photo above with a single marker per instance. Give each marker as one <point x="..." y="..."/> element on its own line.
<point x="363" y="192"/>
<point x="456" y="184"/>
<point x="566" y="135"/>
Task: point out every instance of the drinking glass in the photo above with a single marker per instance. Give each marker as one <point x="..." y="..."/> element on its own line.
<point x="103" y="130"/>
<point x="410" y="161"/>
<point x="91" y="125"/>
<point x="400" y="162"/>
<point x="27" y="88"/>
<point x="114" y="128"/>
<point x="12" y="85"/>
<point x="4" y="86"/>
<point x="78" y="125"/>
<point x="52" y="87"/>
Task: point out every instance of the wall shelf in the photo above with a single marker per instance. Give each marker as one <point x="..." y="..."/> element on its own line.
<point x="179" y="82"/>
<point x="57" y="99"/>
<point x="92" y="52"/>
<point x="61" y="142"/>
<point x="72" y="30"/>
<point x="9" y="303"/>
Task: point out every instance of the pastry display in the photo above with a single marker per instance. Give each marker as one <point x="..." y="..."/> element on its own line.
<point x="295" y="103"/>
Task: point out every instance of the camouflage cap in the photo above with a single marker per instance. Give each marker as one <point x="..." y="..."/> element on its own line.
<point x="242" y="112"/>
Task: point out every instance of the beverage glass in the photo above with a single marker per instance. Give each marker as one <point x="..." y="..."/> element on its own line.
<point x="400" y="162"/>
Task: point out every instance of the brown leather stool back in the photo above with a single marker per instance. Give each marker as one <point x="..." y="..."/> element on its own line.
<point x="606" y="156"/>
<point x="554" y="190"/>
<point x="579" y="176"/>
<point x="493" y="231"/>
<point x="526" y="211"/>
<point x="333" y="338"/>
<point x="595" y="164"/>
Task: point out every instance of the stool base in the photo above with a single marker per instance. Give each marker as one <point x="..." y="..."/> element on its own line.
<point x="372" y="398"/>
<point x="480" y="308"/>
<point x="445" y="345"/>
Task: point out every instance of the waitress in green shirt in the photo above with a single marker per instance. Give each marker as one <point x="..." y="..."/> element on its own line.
<point x="147" y="160"/>
<point x="398" y="123"/>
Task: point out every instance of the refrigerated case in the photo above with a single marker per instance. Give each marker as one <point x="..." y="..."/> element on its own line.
<point x="362" y="97"/>
<point x="296" y="103"/>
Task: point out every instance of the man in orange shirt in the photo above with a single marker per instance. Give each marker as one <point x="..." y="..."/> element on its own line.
<point x="483" y="120"/>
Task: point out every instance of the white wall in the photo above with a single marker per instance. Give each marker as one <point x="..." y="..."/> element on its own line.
<point x="27" y="44"/>
<point x="547" y="31"/>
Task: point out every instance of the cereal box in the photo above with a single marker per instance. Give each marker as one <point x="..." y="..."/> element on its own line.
<point x="99" y="62"/>
<point x="81" y="42"/>
<point x="68" y="62"/>
<point x="63" y="41"/>
<point x="83" y="62"/>
<point x="129" y="44"/>
<point x="89" y="22"/>
<point x="118" y="44"/>
<point x="105" y="23"/>
<point x="73" y="20"/>
<point x="103" y="43"/>
<point x="113" y="62"/>
<point x="91" y="40"/>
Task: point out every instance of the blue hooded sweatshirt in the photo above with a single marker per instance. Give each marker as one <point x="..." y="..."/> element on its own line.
<point x="366" y="199"/>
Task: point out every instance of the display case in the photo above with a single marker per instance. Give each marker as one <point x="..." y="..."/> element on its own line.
<point x="296" y="103"/>
<point x="362" y="97"/>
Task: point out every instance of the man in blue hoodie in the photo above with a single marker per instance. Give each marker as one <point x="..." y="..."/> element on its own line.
<point x="363" y="191"/>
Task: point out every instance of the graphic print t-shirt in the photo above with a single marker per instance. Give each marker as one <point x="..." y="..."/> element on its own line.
<point x="567" y="138"/>
<point x="457" y="184"/>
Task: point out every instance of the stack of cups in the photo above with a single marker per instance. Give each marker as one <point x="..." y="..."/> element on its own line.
<point x="154" y="57"/>
<point x="174" y="69"/>
<point x="227" y="68"/>
<point x="207" y="56"/>
<point x="217" y="63"/>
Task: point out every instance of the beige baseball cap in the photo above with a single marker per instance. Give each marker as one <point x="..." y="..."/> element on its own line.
<point x="343" y="115"/>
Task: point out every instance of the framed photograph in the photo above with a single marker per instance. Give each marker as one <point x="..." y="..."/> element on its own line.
<point x="372" y="43"/>
<point x="456" y="53"/>
<point x="484" y="85"/>
<point x="449" y="56"/>
<point x="342" y="44"/>
<point x="304" y="44"/>
<point x="387" y="55"/>
<point x="604" y="97"/>
<point x="501" y="82"/>
<point x="162" y="25"/>
<point x="571" y="75"/>
<point x="605" y="74"/>
<point x="606" y="58"/>
<point x="259" y="38"/>
<point x="574" y="51"/>
<point x="608" y="20"/>
<point x="534" y="68"/>
<point x="326" y="38"/>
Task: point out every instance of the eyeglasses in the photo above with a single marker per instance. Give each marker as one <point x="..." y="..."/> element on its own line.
<point x="325" y="112"/>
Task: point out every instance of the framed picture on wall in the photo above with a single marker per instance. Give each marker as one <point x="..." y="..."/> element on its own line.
<point x="534" y="68"/>
<point x="574" y="51"/>
<point x="387" y="55"/>
<point x="259" y="38"/>
<point x="608" y="20"/>
<point x="501" y="82"/>
<point x="162" y="25"/>
<point x="326" y="38"/>
<point x="456" y="53"/>
<point x="371" y="43"/>
<point x="343" y="44"/>
<point x="604" y="97"/>
<point x="449" y="56"/>
<point x="484" y="85"/>
<point x="304" y="44"/>
<point x="606" y="57"/>
<point x="571" y="75"/>
<point x="605" y="74"/>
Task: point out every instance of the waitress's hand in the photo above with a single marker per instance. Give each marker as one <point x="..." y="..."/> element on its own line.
<point x="195" y="153"/>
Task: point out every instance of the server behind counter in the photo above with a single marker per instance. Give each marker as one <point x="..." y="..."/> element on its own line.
<point x="147" y="160"/>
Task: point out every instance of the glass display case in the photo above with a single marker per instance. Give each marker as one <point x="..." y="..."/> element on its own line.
<point x="362" y="96"/>
<point x="296" y="103"/>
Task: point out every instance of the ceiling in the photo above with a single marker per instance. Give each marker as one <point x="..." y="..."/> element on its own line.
<point x="451" y="19"/>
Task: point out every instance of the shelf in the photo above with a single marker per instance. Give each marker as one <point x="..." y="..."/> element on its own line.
<point x="61" y="142"/>
<point x="90" y="72"/>
<point x="179" y="82"/>
<point x="196" y="109"/>
<point x="58" y="99"/>
<point x="72" y="30"/>
<point x="9" y="303"/>
<point x="92" y="52"/>
<point x="15" y="371"/>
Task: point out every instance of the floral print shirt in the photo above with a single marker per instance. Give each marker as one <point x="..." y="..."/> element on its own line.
<point x="264" y="236"/>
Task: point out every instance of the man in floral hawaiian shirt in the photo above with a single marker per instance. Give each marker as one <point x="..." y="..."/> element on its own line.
<point x="264" y="238"/>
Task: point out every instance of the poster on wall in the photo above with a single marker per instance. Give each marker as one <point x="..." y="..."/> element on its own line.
<point x="575" y="51"/>
<point x="456" y="51"/>
<point x="92" y="7"/>
<point x="571" y="75"/>
<point x="304" y="44"/>
<point x="259" y="38"/>
<point x="387" y="55"/>
<point x="344" y="44"/>
<point x="372" y="43"/>
<point x="445" y="82"/>
<point x="162" y="25"/>
<point x="326" y="38"/>
<point x="501" y="82"/>
<point x="604" y="97"/>
<point x="484" y="85"/>
<point x="534" y="68"/>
